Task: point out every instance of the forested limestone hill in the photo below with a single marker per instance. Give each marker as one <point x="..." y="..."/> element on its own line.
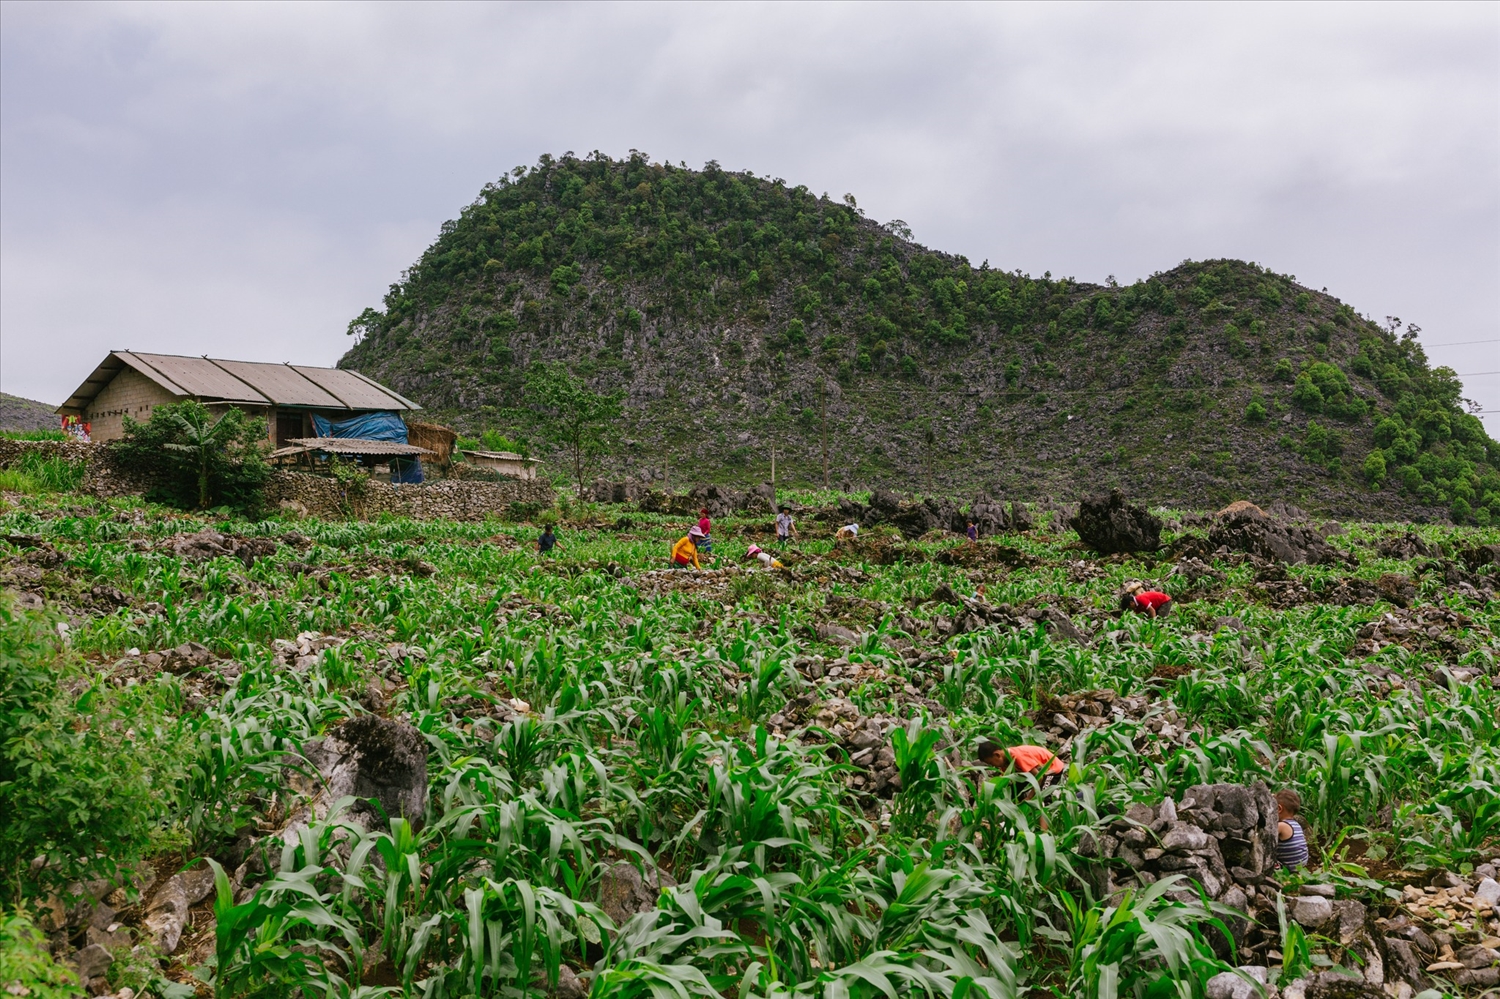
<point x="738" y="314"/>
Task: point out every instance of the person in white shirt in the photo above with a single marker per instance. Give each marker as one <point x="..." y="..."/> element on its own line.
<point x="785" y="526"/>
<point x="765" y="557"/>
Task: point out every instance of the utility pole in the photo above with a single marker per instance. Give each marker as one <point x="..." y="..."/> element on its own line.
<point x="823" y="415"/>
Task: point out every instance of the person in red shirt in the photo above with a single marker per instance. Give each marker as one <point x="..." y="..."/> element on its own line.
<point x="1150" y="602"/>
<point x="705" y="543"/>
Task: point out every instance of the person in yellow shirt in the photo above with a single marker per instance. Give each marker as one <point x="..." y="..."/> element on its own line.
<point x="685" y="551"/>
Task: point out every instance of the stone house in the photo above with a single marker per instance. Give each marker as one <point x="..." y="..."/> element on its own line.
<point x="131" y="383"/>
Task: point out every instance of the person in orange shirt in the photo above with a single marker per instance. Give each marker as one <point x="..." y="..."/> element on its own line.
<point x="1036" y="760"/>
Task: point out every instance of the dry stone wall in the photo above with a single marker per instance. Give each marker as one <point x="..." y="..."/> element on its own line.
<point x="448" y="499"/>
<point x="103" y="477"/>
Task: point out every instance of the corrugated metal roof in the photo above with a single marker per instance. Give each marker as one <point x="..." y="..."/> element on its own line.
<point x="356" y="391"/>
<point x="354" y="445"/>
<point x="195" y="376"/>
<point x="252" y="383"/>
<point x="282" y="384"/>
<point x="500" y="455"/>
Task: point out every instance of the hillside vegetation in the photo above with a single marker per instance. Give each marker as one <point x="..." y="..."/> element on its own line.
<point x="20" y="414"/>
<point x="738" y="314"/>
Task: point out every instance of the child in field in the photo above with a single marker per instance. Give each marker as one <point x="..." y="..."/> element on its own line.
<point x="547" y="541"/>
<point x="847" y="531"/>
<point x="973" y="531"/>
<point x="685" y="551"/>
<point x="1291" y="841"/>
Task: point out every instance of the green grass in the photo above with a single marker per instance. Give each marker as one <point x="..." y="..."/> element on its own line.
<point x="650" y="736"/>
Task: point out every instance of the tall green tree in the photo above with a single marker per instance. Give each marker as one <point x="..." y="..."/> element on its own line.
<point x="578" y="418"/>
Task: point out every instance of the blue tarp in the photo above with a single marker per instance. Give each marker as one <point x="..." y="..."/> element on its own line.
<point x="381" y="426"/>
<point x="406" y="470"/>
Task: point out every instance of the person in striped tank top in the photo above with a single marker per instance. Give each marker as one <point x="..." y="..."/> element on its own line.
<point x="1291" y="842"/>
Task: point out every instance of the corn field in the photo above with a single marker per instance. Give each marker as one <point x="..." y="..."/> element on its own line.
<point x="593" y="708"/>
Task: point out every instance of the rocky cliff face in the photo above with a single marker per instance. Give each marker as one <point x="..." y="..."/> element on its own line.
<point x="740" y="317"/>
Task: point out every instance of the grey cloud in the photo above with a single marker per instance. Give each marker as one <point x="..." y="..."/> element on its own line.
<point x="245" y="178"/>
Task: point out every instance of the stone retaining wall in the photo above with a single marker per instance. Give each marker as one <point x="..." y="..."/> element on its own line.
<point x="446" y="499"/>
<point x="449" y="499"/>
<point x="11" y="452"/>
<point x="102" y="476"/>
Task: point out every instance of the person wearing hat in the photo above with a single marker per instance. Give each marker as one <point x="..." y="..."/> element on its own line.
<point x="1152" y="603"/>
<point x="765" y="557"/>
<point x="847" y="531"/>
<point x="685" y="551"/>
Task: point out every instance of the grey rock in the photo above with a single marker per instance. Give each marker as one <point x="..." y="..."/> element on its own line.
<point x="1447" y="879"/>
<point x="1477" y="978"/>
<point x="91" y="962"/>
<point x="1235" y="898"/>
<point x="1312" y="911"/>
<point x="376" y="759"/>
<point x="1484" y="871"/>
<point x="1403" y="963"/>
<point x="1487" y="893"/>
<point x="1477" y="956"/>
<point x="1334" y="985"/>
<point x="1108" y="523"/>
<point x="1180" y="837"/>
<point x="1326" y="891"/>
<point x="569" y="985"/>
<point x="625" y="891"/>
<point x="1166" y="811"/>
<point x="837" y="634"/>
<point x="1350" y="916"/>
<point x="1251" y="530"/>
<point x="167" y="915"/>
<point x="1229" y="985"/>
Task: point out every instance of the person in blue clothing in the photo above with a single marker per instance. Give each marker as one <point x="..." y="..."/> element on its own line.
<point x="1291" y="841"/>
<point x="547" y="541"/>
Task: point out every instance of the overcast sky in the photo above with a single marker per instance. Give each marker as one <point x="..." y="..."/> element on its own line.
<point x="242" y="179"/>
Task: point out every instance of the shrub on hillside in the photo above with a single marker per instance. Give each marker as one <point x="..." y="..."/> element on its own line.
<point x="195" y="460"/>
<point x="74" y="794"/>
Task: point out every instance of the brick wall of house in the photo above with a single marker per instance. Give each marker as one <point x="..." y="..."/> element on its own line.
<point x="128" y="393"/>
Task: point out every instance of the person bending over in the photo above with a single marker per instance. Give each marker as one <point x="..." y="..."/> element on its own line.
<point x="1152" y="603"/>
<point x="685" y="551"/>
<point x="765" y="558"/>
<point x="1039" y="761"/>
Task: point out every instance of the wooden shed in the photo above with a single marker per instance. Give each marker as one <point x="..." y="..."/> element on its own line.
<point x="131" y="383"/>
